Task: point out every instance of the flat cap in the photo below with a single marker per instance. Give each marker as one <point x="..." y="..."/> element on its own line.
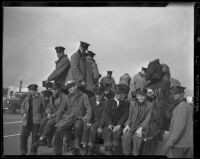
<point x="59" y="49"/>
<point x="69" y="84"/>
<point x="91" y="54"/>
<point x="99" y="91"/>
<point x="142" y="91"/>
<point x="84" y="44"/>
<point x="33" y="87"/>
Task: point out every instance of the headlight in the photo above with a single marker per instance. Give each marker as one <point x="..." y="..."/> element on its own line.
<point x="7" y="102"/>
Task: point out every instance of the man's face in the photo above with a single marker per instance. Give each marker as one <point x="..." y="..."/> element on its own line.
<point x="141" y="98"/>
<point x="56" y="92"/>
<point x="176" y="96"/>
<point x="83" y="49"/>
<point x="72" y="89"/>
<point x="109" y="75"/>
<point x="60" y="54"/>
<point x="119" y="96"/>
<point x="166" y="77"/>
<point x="99" y="97"/>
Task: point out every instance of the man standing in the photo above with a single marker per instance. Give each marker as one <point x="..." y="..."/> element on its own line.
<point x="179" y="143"/>
<point x="108" y="80"/>
<point x="77" y="71"/>
<point x="62" y="67"/>
<point x="72" y="114"/>
<point x="115" y="116"/>
<point x="31" y="111"/>
<point x="139" y="115"/>
<point x="92" y="65"/>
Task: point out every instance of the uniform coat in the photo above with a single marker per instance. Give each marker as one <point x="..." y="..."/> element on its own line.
<point x="37" y="109"/>
<point x="89" y="79"/>
<point x="60" y="73"/>
<point x="78" y="67"/>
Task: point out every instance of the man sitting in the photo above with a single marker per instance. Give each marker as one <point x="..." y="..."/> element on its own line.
<point x="72" y="114"/>
<point x="139" y="115"/>
<point x="47" y="125"/>
<point x="115" y="116"/>
<point x="94" y="129"/>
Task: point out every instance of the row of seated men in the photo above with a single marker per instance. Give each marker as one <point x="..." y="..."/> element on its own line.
<point x="120" y="123"/>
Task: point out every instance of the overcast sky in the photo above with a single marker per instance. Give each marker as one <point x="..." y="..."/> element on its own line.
<point x="124" y="39"/>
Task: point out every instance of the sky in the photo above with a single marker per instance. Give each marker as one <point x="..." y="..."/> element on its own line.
<point x="123" y="38"/>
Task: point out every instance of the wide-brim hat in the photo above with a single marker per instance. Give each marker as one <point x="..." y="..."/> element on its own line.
<point x="142" y="91"/>
<point x="33" y="87"/>
<point x="175" y="86"/>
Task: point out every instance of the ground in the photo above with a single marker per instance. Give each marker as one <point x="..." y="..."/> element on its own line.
<point x="11" y="137"/>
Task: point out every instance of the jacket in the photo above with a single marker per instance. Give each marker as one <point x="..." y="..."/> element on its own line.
<point x="89" y="79"/>
<point x="60" y="73"/>
<point x="37" y="109"/>
<point x="97" y="112"/>
<point x="76" y="105"/>
<point x="116" y="115"/>
<point x="55" y="103"/>
<point x="181" y="127"/>
<point x="133" y="114"/>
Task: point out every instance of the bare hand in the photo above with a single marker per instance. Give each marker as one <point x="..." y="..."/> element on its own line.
<point x="126" y="129"/>
<point x="24" y="115"/>
<point x="83" y="83"/>
<point x="110" y="127"/>
<point x="88" y="124"/>
<point x="116" y="128"/>
<point x="99" y="130"/>
<point x="139" y="132"/>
